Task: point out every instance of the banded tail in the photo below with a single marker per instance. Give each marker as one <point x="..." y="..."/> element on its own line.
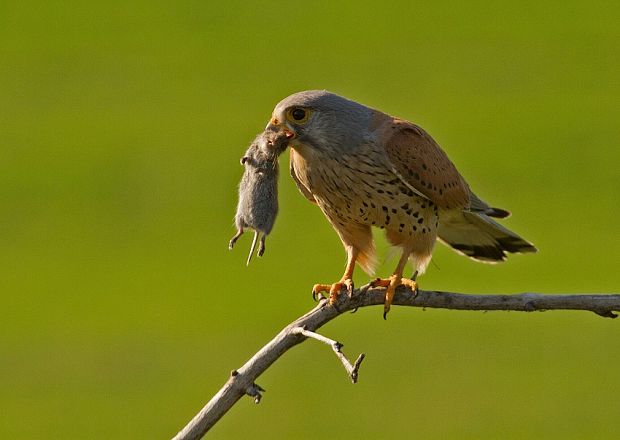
<point x="478" y="236"/>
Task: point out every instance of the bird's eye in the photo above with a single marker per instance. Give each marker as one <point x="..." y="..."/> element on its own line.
<point x="298" y="115"/>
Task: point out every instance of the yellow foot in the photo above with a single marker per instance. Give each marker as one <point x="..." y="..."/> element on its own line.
<point x="332" y="289"/>
<point x="392" y="283"/>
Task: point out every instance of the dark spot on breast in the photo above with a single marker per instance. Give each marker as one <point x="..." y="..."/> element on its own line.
<point x="365" y="204"/>
<point x="416" y="176"/>
<point x="405" y="206"/>
<point x="387" y="220"/>
<point x="424" y="166"/>
<point x="420" y="220"/>
<point x="394" y="211"/>
<point x="385" y="208"/>
<point x="416" y="214"/>
<point x="372" y="205"/>
<point x="415" y="228"/>
<point x="402" y="225"/>
<point x="380" y="191"/>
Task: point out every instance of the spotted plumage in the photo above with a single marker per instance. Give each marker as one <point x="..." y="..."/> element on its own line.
<point x="364" y="168"/>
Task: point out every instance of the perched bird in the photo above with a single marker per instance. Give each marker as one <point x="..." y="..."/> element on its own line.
<point x="365" y="168"/>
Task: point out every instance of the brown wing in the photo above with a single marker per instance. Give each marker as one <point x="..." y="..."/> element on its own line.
<point x="302" y="188"/>
<point x="423" y="165"/>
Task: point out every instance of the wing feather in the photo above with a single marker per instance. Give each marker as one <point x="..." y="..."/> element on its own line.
<point x="423" y="166"/>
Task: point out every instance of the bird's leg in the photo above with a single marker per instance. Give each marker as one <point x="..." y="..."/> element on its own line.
<point x="393" y="282"/>
<point x="345" y="281"/>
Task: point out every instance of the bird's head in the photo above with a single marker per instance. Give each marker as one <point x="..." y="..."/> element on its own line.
<point x="320" y="121"/>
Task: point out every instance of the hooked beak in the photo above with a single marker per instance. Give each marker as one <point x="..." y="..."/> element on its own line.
<point x="280" y="128"/>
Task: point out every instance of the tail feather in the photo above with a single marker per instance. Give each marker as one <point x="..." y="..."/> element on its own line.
<point x="478" y="236"/>
<point x="480" y="206"/>
<point x="497" y="213"/>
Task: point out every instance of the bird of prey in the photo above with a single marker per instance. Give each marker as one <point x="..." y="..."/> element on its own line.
<point x="364" y="168"/>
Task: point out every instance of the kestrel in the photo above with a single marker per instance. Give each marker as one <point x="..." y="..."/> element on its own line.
<point x="365" y="168"/>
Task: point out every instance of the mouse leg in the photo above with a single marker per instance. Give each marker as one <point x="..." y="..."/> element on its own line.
<point x="261" y="246"/>
<point x="233" y="240"/>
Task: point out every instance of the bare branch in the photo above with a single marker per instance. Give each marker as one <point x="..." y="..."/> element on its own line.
<point x="241" y="382"/>
<point x="352" y="369"/>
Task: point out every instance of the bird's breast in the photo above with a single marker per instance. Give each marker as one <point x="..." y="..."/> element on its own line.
<point x="361" y="188"/>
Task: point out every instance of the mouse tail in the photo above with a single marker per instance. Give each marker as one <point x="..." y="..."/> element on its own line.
<point x="254" y="241"/>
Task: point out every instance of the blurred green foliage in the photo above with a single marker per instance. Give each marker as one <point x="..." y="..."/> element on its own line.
<point x="121" y="126"/>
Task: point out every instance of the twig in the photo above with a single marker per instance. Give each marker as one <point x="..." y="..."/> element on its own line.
<point x="242" y="382"/>
<point x="352" y="369"/>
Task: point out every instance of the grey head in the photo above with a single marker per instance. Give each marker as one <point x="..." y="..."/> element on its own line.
<point x="321" y="119"/>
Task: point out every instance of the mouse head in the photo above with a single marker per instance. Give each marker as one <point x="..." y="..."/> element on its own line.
<point x="261" y="154"/>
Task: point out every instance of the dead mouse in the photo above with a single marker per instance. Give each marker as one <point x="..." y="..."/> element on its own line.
<point x="258" y="191"/>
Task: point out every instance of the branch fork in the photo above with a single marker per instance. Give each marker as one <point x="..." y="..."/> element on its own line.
<point x="242" y="380"/>
<point x="352" y="369"/>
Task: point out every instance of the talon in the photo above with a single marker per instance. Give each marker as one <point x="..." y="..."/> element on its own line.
<point x="380" y="282"/>
<point x="350" y="287"/>
<point x="333" y="289"/>
<point x="392" y="283"/>
<point x="334" y="292"/>
<point x="318" y="289"/>
<point x="412" y="284"/>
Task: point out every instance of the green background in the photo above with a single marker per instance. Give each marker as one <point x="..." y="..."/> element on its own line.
<point x="121" y="127"/>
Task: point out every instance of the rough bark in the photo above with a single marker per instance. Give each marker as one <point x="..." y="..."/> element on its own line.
<point x="242" y="381"/>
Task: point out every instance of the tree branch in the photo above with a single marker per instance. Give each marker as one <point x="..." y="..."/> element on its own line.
<point x="242" y="380"/>
<point x="352" y="369"/>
